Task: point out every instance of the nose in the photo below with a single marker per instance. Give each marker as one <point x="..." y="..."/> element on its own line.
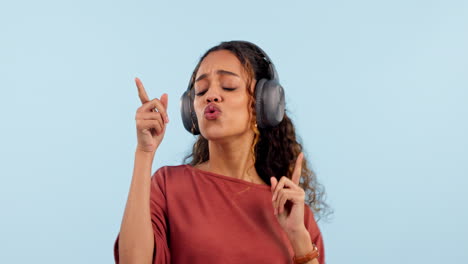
<point x="212" y="96"/>
<point x="212" y="99"/>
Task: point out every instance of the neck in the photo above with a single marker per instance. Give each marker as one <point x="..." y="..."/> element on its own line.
<point x="233" y="158"/>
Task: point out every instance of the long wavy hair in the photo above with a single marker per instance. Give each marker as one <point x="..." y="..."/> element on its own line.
<point x="274" y="150"/>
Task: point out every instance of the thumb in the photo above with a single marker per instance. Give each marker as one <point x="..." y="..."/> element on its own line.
<point x="273" y="182"/>
<point x="164" y="100"/>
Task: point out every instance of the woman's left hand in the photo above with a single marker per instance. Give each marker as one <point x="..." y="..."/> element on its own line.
<point x="288" y="199"/>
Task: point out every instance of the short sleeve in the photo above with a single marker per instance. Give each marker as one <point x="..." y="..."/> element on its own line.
<point x="158" y="210"/>
<point x="314" y="232"/>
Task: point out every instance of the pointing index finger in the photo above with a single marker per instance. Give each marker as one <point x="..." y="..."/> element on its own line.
<point x="141" y="91"/>
<point x="298" y="168"/>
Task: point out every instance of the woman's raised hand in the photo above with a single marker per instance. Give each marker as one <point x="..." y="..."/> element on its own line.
<point x="151" y="119"/>
<point x="288" y="199"/>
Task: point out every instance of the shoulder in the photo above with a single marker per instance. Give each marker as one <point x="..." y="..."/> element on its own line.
<point x="173" y="180"/>
<point x="171" y="170"/>
<point x="166" y="174"/>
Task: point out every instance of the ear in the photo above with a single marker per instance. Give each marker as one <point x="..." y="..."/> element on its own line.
<point x="252" y="89"/>
<point x="252" y="86"/>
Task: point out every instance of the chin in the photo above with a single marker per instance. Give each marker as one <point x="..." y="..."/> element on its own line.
<point x="214" y="133"/>
<point x="217" y="133"/>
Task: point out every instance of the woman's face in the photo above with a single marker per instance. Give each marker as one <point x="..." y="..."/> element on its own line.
<point x="221" y="100"/>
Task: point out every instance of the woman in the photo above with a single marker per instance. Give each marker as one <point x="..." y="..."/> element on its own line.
<point x="239" y="199"/>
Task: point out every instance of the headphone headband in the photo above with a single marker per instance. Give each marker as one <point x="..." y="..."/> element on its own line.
<point x="271" y="67"/>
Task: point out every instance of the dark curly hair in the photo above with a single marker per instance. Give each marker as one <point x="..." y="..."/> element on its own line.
<point x="274" y="149"/>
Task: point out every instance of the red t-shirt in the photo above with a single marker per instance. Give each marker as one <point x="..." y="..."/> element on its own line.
<point x="200" y="217"/>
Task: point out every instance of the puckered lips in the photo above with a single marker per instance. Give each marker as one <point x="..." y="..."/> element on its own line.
<point x="212" y="112"/>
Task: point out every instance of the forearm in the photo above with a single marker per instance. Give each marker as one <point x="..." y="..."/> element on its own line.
<point x="302" y="244"/>
<point x="136" y="242"/>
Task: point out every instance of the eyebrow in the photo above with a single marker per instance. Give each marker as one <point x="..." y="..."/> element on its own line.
<point x="217" y="72"/>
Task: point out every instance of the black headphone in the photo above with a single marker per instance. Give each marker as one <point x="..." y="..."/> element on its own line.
<point x="269" y="102"/>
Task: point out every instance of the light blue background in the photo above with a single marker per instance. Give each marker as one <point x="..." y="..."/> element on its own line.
<point x="377" y="90"/>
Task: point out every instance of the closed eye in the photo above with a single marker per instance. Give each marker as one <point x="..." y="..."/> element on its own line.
<point x="200" y="93"/>
<point x="224" y="88"/>
<point x="228" y="89"/>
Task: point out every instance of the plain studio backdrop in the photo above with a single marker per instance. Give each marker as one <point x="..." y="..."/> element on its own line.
<point x="378" y="91"/>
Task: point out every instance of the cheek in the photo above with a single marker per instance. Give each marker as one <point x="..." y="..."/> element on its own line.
<point x="196" y="106"/>
<point x="243" y="109"/>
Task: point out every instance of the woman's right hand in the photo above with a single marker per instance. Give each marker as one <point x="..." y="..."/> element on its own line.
<point x="151" y="119"/>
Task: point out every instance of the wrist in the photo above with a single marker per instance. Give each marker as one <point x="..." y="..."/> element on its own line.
<point x="298" y="232"/>
<point x="300" y="241"/>
<point x="143" y="153"/>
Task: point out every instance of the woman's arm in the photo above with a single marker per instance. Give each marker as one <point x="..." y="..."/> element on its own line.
<point x="136" y="242"/>
<point x="136" y="238"/>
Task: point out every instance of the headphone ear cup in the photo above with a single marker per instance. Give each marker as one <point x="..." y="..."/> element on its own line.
<point x="189" y="117"/>
<point x="270" y="103"/>
<point x="259" y="102"/>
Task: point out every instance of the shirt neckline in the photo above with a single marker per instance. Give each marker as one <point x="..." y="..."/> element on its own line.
<point x="224" y="177"/>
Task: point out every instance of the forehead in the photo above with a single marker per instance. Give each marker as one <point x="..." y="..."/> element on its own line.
<point x="220" y="60"/>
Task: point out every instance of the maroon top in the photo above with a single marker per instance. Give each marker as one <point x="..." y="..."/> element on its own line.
<point x="203" y="217"/>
